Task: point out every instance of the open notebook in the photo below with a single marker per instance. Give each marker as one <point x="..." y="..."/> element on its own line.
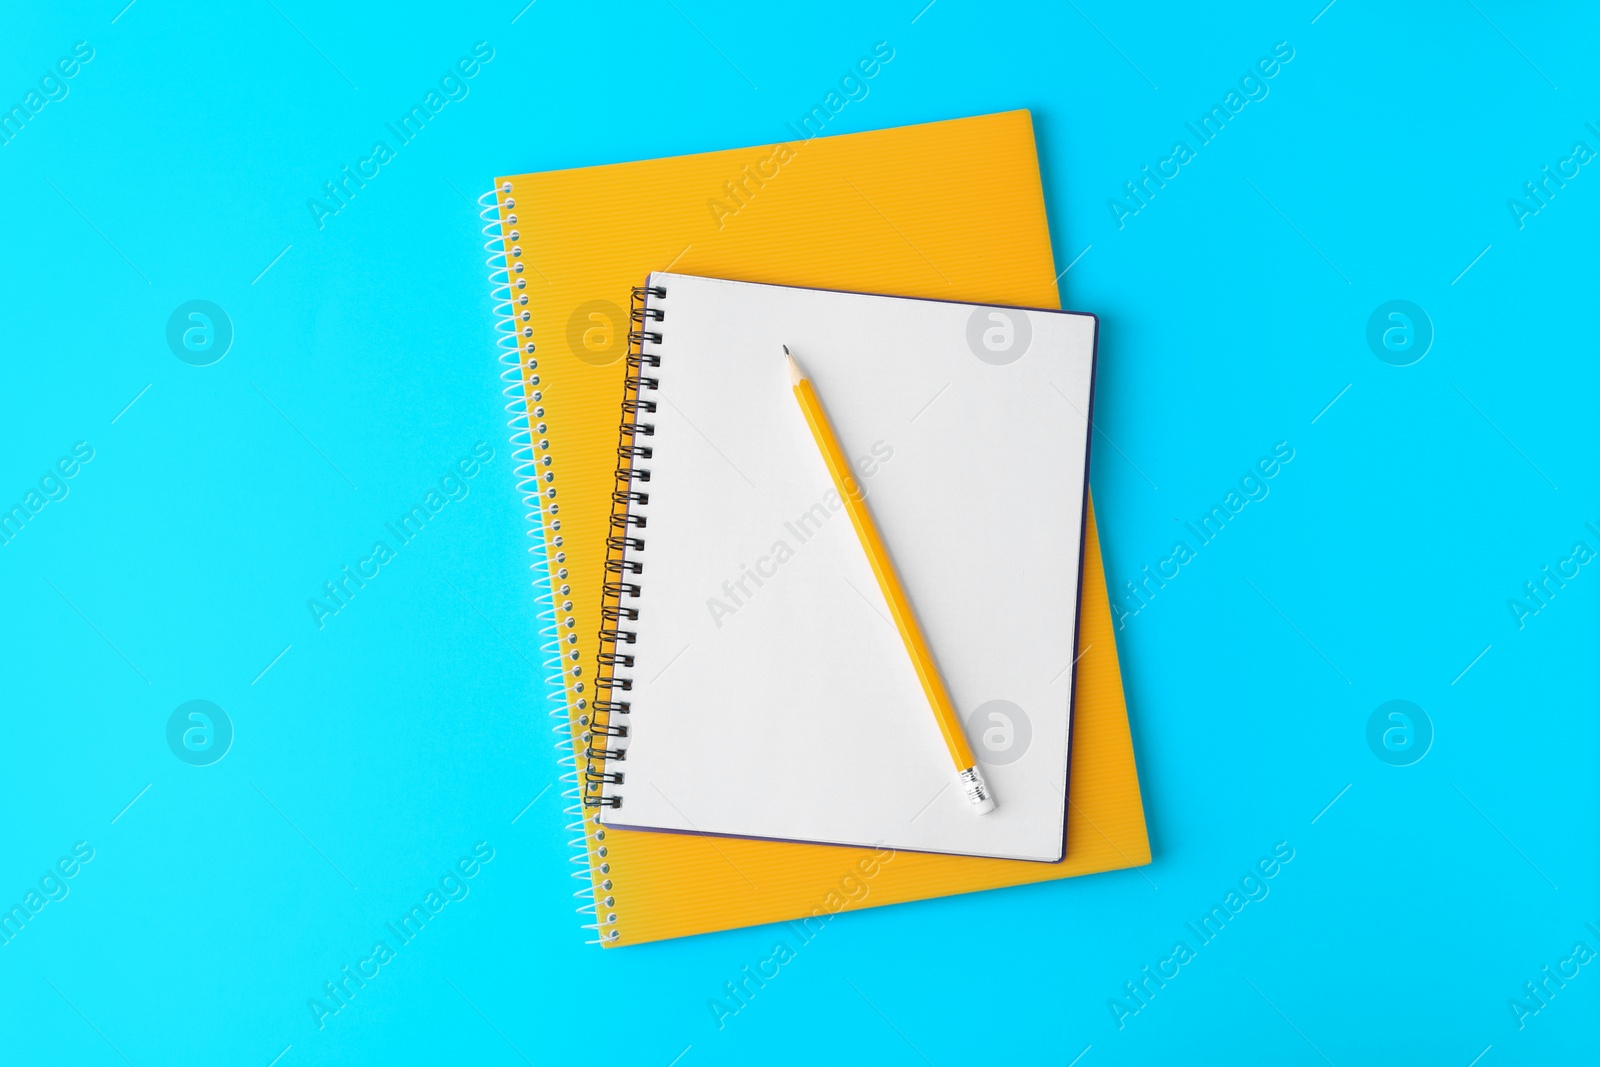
<point x="950" y="210"/>
<point x="768" y="693"/>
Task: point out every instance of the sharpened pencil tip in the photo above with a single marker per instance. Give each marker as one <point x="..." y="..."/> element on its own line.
<point x="796" y="375"/>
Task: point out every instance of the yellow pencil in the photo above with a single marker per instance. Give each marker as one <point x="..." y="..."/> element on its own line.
<point x="855" y="503"/>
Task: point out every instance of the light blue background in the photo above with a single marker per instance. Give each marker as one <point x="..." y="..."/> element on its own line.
<point x="377" y="750"/>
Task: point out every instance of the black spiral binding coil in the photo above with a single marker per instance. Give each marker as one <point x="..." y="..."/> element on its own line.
<point x="606" y="724"/>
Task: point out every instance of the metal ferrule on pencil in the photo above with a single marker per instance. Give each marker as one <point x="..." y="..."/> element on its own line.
<point x="977" y="789"/>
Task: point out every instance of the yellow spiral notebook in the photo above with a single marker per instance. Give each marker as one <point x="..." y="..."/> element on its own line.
<point x="949" y="210"/>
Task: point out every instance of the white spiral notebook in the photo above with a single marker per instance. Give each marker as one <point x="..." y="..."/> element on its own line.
<point x="751" y="681"/>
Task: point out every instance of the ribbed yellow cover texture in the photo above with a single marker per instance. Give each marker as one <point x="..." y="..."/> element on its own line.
<point x="950" y="210"/>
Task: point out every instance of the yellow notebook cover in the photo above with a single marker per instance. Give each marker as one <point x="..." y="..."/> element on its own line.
<point x="951" y="210"/>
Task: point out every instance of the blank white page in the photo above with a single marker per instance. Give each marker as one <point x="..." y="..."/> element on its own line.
<point x="771" y="695"/>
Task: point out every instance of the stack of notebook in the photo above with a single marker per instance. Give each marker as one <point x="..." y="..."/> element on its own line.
<point x="743" y="729"/>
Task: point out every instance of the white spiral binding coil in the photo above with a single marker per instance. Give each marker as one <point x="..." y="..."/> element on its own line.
<point x="536" y="486"/>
